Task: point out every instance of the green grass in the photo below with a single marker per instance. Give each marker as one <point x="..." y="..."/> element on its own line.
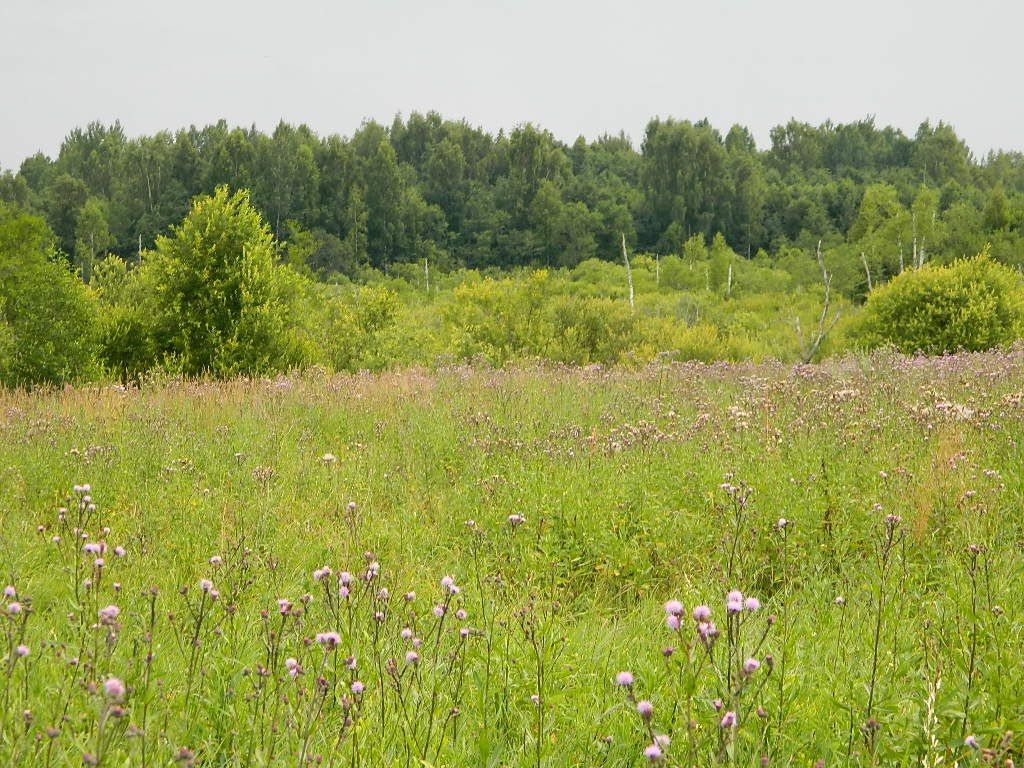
<point x="619" y="477"/>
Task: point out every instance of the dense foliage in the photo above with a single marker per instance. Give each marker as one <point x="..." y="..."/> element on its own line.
<point x="972" y="304"/>
<point x="222" y="252"/>
<point x="436" y="189"/>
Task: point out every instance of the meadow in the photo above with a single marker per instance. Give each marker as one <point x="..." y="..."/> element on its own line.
<point x="685" y="564"/>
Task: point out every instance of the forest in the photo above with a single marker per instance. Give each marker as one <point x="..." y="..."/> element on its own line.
<point x="431" y="239"/>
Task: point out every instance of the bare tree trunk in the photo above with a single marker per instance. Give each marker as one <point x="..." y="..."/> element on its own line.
<point x="809" y="351"/>
<point x="426" y="273"/>
<point x="867" y="269"/>
<point x="629" y="272"/>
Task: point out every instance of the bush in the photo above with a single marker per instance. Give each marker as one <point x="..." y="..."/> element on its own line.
<point x="971" y="305"/>
<point x="47" y="317"/>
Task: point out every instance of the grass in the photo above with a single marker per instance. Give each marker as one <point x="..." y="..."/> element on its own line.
<point x="883" y="638"/>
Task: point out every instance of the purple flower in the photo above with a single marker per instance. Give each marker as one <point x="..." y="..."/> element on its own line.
<point x="357" y="687"/>
<point x="653" y="753"/>
<point x="406" y="633"/>
<point x="113" y="689"/>
<point x="625" y="679"/>
<point x="751" y="665"/>
<point x="728" y="720"/>
<point x="216" y="560"/>
<point x="752" y="604"/>
<point x="345" y="578"/>
<point x="674" y="608"/>
<point x="9" y="592"/>
<point x="293" y="667"/>
<point x="672" y="622"/>
<point x="645" y="709"/>
<point x="109" y="615"/>
<point x="206" y="585"/>
<point x="464" y="632"/>
<point x="440" y="610"/>
<point x="701" y="613"/>
<point x="328" y="640"/>
<point x="119" y="551"/>
<point x="516" y="520"/>
<point x="14" y="609"/>
<point x="22" y="651"/>
<point x="461" y="614"/>
<point x="412" y="657"/>
<point x="971" y="742"/>
<point x="321" y="573"/>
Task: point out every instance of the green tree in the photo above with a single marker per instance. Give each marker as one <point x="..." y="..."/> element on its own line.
<point x="219" y="304"/>
<point x="47" y="317"/>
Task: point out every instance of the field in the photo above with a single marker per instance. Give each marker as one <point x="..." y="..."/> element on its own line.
<point x="474" y="567"/>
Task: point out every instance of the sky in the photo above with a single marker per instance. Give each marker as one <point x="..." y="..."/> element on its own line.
<point x="575" y="68"/>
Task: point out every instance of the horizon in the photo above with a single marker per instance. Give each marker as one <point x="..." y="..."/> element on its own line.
<point x="573" y="68"/>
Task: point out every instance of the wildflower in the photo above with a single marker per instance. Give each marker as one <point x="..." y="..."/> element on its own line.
<point x="782" y="524"/>
<point x="701" y="613"/>
<point x="113" y="689"/>
<point x="409" y="596"/>
<point x="439" y="611"/>
<point x="717" y="704"/>
<point x="10" y="592"/>
<point x="99" y="562"/>
<point x="535" y="699"/>
<point x="751" y="603"/>
<point x="734" y="601"/>
<point x="751" y="665"/>
<point x="383" y="595"/>
<point x="357" y="687"/>
<point x="321" y="573"/>
<point x="645" y="709"/>
<point x="216" y="560"/>
<point x="625" y="679"/>
<point x="412" y="657"/>
<point x="119" y="551"/>
<point x="674" y="608"/>
<point x="328" y="640"/>
<point x="343" y="592"/>
<point x="653" y="753"/>
<point x="284" y="606"/>
<point x="14" y="608"/>
<point x="728" y="720"/>
<point x="461" y="614"/>
<point x="840" y="600"/>
<point x="206" y="585"/>
<point x="91" y="548"/>
<point x="516" y="520"/>
<point x="448" y="584"/>
<point x="672" y="622"/>
<point x="109" y="615"/>
<point x="292" y="666"/>
<point x="22" y="651"/>
<point x="345" y="578"/>
<point x="971" y="742"/>
<point x="406" y="633"/>
<point x="351" y="663"/>
<point x="464" y="632"/>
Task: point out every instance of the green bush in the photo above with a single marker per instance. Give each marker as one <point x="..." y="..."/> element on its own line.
<point x="47" y="317"/>
<point x="971" y="305"/>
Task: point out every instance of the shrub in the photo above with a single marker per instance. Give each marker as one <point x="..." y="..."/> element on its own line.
<point x="47" y="317"/>
<point x="971" y="305"/>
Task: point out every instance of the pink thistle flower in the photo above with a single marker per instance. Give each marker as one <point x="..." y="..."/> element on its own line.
<point x="321" y="573"/>
<point x="216" y="560"/>
<point x="971" y="742"/>
<point x="345" y="578"/>
<point x="22" y="651"/>
<point x="114" y="689"/>
<point x="439" y="611"/>
<point x="406" y="633"/>
<point x="14" y="609"/>
<point x="293" y="667"/>
<point x="409" y="596"/>
<point x="464" y="632"/>
<point x="516" y="520"/>
<point x="10" y="592"/>
<point x="411" y="657"/>
<point x="751" y="665"/>
<point x="728" y="720"/>
<point x="674" y="608"/>
<point x="108" y="615"/>
<point x="461" y="614"/>
<point x="284" y="606"/>
<point x="701" y="613"/>
<point x="672" y="622"/>
<point x="625" y="679"/>
<point x="119" y="551"/>
<point x="206" y="585"/>
<point x="653" y="753"/>
<point x="752" y="604"/>
<point x="329" y="640"/>
<point x="645" y="709"/>
<point x="357" y="687"/>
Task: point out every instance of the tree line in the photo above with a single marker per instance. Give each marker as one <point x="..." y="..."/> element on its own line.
<point x="442" y="192"/>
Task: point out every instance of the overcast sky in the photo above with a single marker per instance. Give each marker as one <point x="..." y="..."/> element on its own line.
<point x="570" y="66"/>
